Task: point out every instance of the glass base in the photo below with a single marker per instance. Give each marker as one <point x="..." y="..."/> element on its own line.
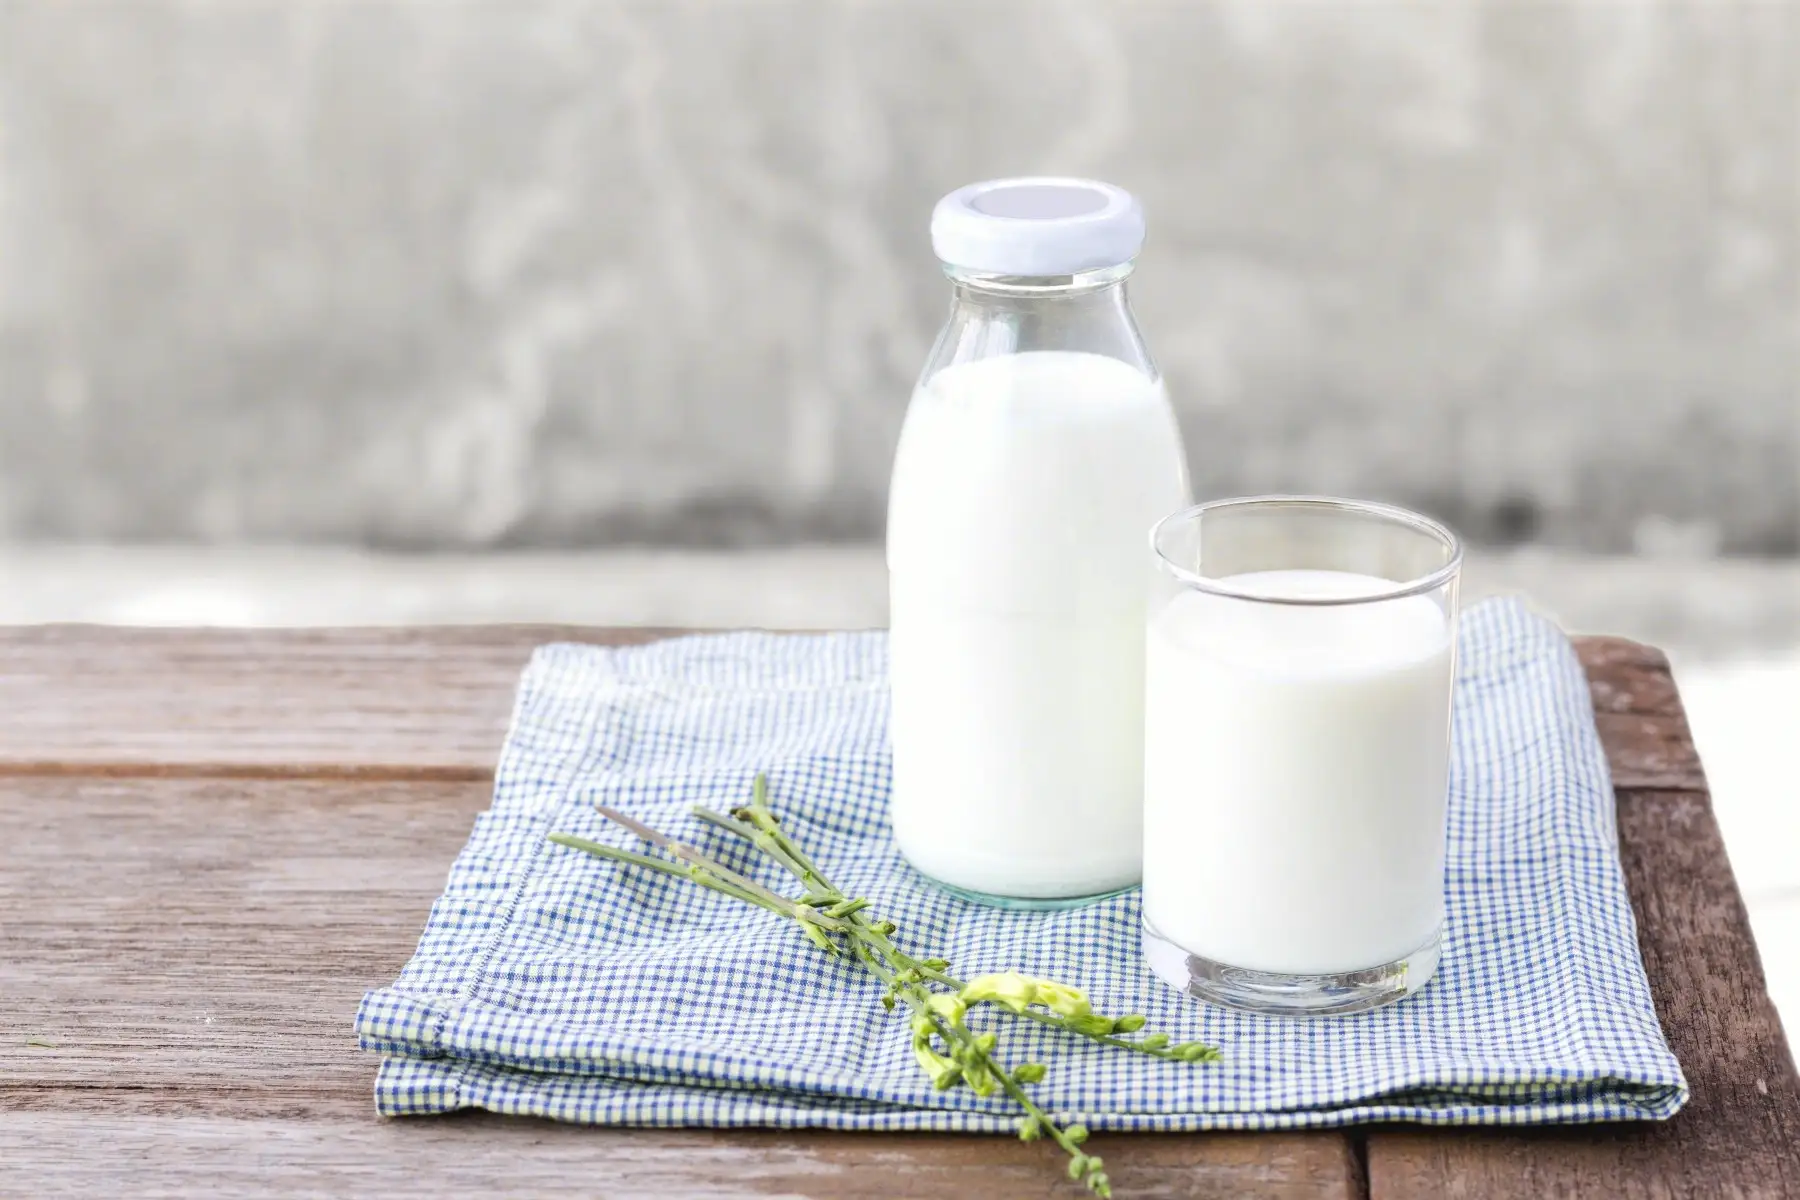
<point x="1277" y="994"/>
<point x="1022" y="903"/>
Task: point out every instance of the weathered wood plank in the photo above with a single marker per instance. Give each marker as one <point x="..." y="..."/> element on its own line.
<point x="1639" y="716"/>
<point x="171" y="936"/>
<point x="193" y="951"/>
<point x="358" y="703"/>
<point x="478" y="1154"/>
<point x="1650" y="752"/>
<point x="433" y="703"/>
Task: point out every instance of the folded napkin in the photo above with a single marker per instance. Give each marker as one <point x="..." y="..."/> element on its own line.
<point x="552" y="983"/>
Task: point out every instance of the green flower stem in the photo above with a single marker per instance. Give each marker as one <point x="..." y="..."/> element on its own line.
<point x="1057" y="1021"/>
<point x="779" y="905"/>
<point x="769" y="836"/>
<point x="701" y="859"/>
<point x="763" y="817"/>
<point x="769" y="845"/>
<point x="772" y="841"/>
<point x="758" y="823"/>
<point x="872" y="945"/>
<point x="826" y="910"/>
<point x="918" y="999"/>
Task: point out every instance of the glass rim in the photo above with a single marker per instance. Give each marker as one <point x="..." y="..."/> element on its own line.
<point x="1393" y="513"/>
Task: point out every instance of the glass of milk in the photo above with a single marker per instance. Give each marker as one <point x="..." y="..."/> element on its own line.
<point x="1298" y="669"/>
<point x="1037" y="451"/>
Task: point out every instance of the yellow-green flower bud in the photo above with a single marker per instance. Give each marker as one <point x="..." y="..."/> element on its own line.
<point x="1029" y="1072"/>
<point x="980" y="1078"/>
<point x="943" y="1072"/>
<point x="1092" y="1024"/>
<point x="1076" y="1133"/>
<point x="949" y="1006"/>
<point x="1129" y="1023"/>
<point x="1061" y="998"/>
<point x="1009" y="989"/>
<point x="1156" y="1041"/>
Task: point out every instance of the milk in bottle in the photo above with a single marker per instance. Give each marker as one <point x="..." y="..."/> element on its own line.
<point x="1038" y="450"/>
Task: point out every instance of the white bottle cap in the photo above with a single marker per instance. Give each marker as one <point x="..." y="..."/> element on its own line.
<point x="1039" y="226"/>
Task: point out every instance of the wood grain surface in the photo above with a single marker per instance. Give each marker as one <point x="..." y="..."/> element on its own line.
<point x="477" y="1154"/>
<point x="427" y="703"/>
<point x="181" y="959"/>
<point x="212" y="842"/>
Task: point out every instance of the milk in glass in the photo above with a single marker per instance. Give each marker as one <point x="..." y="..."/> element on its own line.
<point x="1295" y="774"/>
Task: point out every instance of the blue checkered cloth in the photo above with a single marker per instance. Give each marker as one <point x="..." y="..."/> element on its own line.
<point x="552" y="983"/>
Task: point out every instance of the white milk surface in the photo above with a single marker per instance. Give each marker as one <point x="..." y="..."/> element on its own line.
<point x="1296" y="769"/>
<point x="1024" y="490"/>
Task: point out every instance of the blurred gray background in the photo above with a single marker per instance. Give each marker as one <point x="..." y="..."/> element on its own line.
<point x="436" y="275"/>
<point x="320" y="312"/>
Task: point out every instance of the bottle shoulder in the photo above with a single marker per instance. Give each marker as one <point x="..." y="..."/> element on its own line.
<point x="980" y="327"/>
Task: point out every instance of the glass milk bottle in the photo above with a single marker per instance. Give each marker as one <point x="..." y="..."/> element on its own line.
<point x="1037" y="452"/>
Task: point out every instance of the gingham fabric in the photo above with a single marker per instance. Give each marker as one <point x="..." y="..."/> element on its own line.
<point x="553" y="983"/>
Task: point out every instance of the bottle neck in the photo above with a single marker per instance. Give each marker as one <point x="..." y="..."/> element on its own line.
<point x="993" y="315"/>
<point x="977" y="285"/>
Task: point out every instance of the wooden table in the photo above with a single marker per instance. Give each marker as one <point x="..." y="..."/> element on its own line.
<point x="212" y="842"/>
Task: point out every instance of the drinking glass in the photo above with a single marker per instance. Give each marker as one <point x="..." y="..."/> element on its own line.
<point x="1298" y="669"/>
